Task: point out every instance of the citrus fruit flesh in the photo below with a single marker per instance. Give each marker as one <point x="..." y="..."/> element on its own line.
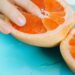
<point x="72" y="51"/>
<point x="54" y="13"/>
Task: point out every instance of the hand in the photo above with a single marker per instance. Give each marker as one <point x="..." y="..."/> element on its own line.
<point x="8" y="8"/>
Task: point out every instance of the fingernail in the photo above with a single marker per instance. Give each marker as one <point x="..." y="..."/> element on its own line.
<point x="21" y="21"/>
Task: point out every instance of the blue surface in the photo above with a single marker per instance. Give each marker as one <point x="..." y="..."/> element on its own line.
<point x="17" y="58"/>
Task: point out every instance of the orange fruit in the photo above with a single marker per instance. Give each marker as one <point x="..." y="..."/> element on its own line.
<point x="67" y="49"/>
<point x="58" y="19"/>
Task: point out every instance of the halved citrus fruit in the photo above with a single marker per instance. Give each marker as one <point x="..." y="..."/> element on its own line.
<point x="49" y="30"/>
<point x="67" y="49"/>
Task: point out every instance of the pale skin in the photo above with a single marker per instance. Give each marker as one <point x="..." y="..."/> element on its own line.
<point x="8" y="9"/>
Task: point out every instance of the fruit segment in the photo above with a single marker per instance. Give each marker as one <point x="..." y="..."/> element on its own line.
<point x="72" y="51"/>
<point x="50" y="24"/>
<point x="53" y="6"/>
<point x="39" y="3"/>
<point x="59" y="20"/>
<point x="72" y="42"/>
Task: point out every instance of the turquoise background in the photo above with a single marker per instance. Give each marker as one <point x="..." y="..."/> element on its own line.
<point x="17" y="58"/>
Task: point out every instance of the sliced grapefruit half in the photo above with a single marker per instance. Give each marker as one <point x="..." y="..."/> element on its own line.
<point x="67" y="49"/>
<point x="49" y="30"/>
